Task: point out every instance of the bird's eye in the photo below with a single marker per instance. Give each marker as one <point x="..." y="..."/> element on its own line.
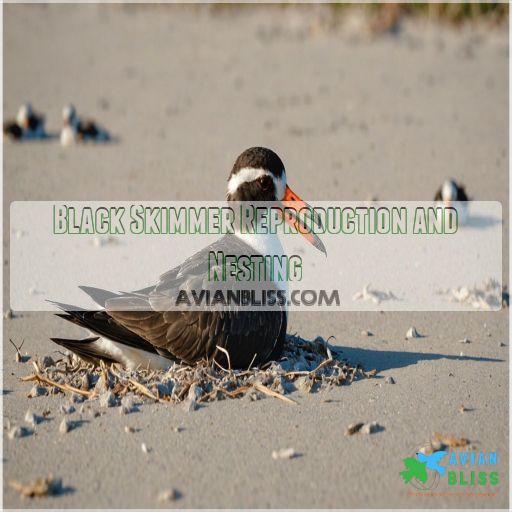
<point x="265" y="182"/>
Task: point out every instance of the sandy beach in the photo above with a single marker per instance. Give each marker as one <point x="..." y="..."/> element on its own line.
<point x="353" y="116"/>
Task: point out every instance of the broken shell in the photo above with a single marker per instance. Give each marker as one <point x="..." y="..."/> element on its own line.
<point x="389" y="380"/>
<point x="465" y="340"/>
<point x="168" y="495"/>
<point x="285" y="453"/>
<point x="47" y="362"/>
<point x="190" y="405"/>
<point x="195" y="392"/>
<point x="85" y="383"/>
<point x="37" y="391"/>
<point x="366" y="333"/>
<point x="370" y="428"/>
<point x="144" y="448"/>
<point x="17" y="432"/>
<point x="31" y="418"/>
<point x="354" y="428"/>
<point x="66" y="408"/>
<point x="108" y="399"/>
<point x="65" y="426"/>
<point x="129" y="430"/>
<point x="412" y="333"/>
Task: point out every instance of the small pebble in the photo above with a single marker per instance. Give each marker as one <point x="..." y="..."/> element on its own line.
<point x="129" y="430"/>
<point x="501" y="344"/>
<point x="8" y="314"/>
<point x="285" y="453"/>
<point x="37" y="391"/>
<point x="366" y="333"/>
<point x="93" y="413"/>
<point x="144" y="448"/>
<point x="389" y="380"/>
<point x="465" y="340"/>
<point x="65" y="426"/>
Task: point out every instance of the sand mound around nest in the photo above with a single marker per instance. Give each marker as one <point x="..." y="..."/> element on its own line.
<point x="308" y="366"/>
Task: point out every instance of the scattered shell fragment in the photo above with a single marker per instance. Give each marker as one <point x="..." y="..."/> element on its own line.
<point x="285" y="453"/>
<point x="66" y="408"/>
<point x="17" y="432"/>
<point x="108" y="399"/>
<point x="389" y="380"/>
<point x="195" y="392"/>
<point x="65" y="426"/>
<point x="46" y="486"/>
<point x="465" y="340"/>
<point x="375" y="296"/>
<point x="85" y="383"/>
<point x="8" y="314"/>
<point x="190" y="405"/>
<point x="366" y="333"/>
<point x="168" y="495"/>
<point x="47" y="362"/>
<point x="412" y="333"/>
<point x="462" y="409"/>
<point x="37" y="391"/>
<point x="31" y="419"/>
<point x="127" y="405"/>
<point x="353" y="428"/>
<point x="370" y="428"/>
<point x="362" y="428"/>
<point x="144" y="448"/>
<point x="129" y="430"/>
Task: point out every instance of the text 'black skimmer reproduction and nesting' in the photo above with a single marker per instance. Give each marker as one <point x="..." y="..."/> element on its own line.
<point x="130" y="329"/>
<point x="27" y="125"/>
<point x="76" y="130"/>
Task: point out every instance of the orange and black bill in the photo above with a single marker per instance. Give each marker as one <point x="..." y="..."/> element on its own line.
<point x="297" y="210"/>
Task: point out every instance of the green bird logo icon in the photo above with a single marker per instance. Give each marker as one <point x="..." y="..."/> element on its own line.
<point x="415" y="469"/>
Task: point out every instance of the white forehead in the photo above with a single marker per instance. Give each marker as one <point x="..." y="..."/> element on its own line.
<point x="248" y="174"/>
<point x="448" y="190"/>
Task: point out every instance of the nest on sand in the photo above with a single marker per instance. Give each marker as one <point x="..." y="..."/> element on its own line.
<point x="305" y="365"/>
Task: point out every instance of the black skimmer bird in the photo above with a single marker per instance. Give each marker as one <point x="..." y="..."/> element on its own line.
<point x="130" y="329"/>
<point x="27" y="125"/>
<point x="452" y="194"/>
<point x="75" y="130"/>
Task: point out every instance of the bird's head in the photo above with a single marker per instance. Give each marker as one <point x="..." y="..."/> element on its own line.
<point x="258" y="174"/>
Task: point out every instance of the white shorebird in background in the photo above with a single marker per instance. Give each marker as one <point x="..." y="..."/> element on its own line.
<point x="131" y="329"/>
<point x="75" y="130"/>
<point x="452" y="194"/>
<point x="27" y="125"/>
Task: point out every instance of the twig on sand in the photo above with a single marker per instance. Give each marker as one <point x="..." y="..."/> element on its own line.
<point x="64" y="387"/>
<point x="260" y="387"/>
<point x="143" y="389"/>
